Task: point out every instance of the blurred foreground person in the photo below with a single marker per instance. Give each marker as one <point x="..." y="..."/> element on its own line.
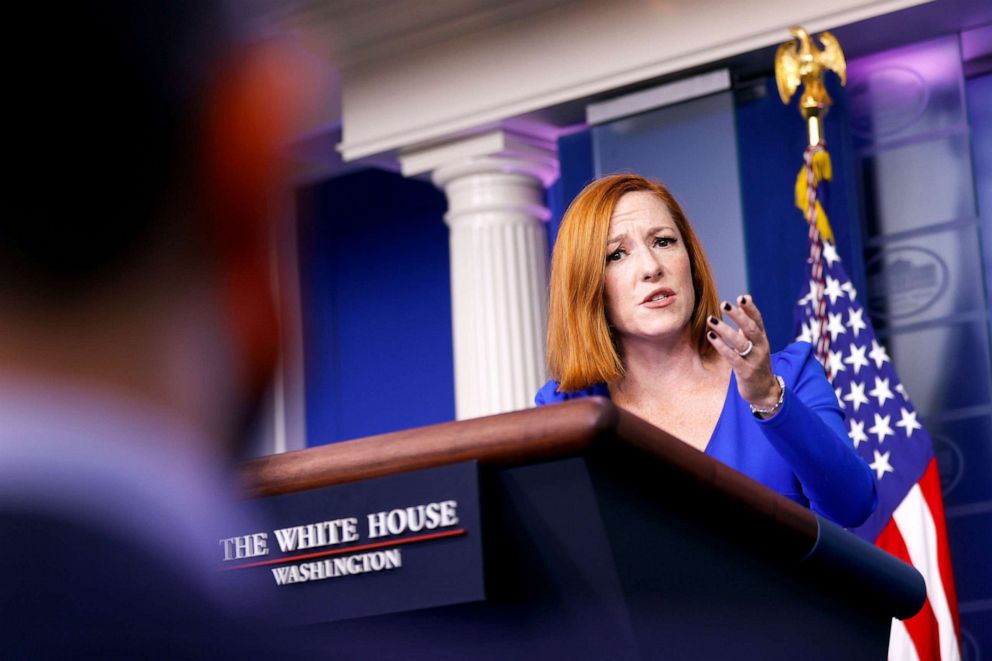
<point x="136" y="327"/>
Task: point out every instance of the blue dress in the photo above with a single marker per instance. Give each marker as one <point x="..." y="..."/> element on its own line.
<point x="802" y="452"/>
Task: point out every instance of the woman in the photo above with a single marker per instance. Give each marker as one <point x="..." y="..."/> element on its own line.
<point x="634" y="316"/>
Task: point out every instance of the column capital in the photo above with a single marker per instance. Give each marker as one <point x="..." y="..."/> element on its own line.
<point x="499" y="150"/>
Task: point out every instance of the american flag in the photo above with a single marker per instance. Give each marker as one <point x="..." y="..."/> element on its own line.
<point x="883" y="426"/>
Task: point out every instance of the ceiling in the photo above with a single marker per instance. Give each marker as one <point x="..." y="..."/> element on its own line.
<point x="338" y="35"/>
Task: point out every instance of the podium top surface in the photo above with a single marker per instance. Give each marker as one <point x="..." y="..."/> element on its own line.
<point x="510" y="439"/>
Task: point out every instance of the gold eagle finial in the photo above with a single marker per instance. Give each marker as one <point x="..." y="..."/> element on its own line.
<point x="802" y="61"/>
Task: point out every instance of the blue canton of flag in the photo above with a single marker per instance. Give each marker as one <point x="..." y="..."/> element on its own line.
<point x="881" y="421"/>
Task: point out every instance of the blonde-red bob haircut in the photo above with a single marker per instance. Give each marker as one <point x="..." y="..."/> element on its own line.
<point x="581" y="348"/>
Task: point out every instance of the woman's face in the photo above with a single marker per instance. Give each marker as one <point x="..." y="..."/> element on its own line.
<point x="648" y="289"/>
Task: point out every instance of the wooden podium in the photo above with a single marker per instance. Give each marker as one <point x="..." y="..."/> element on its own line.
<point x="606" y="538"/>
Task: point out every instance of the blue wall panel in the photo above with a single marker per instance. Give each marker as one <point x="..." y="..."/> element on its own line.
<point x="376" y="306"/>
<point x="920" y="161"/>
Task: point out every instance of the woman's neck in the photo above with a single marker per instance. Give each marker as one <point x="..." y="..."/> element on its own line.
<point x="652" y="368"/>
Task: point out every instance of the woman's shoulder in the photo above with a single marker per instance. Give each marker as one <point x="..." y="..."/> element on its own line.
<point x="549" y="393"/>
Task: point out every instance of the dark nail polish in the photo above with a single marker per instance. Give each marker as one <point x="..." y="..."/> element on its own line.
<point x="712" y="335"/>
<point x="743" y="300"/>
<point x="714" y="321"/>
<point x="726" y="306"/>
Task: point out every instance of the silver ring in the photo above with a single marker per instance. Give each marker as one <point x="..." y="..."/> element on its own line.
<point x="747" y="349"/>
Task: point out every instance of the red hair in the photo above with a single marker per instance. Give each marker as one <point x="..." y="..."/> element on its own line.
<point x="581" y="347"/>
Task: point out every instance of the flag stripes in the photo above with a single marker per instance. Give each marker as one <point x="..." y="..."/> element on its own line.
<point x="922" y="628"/>
<point x="930" y="486"/>
<point x="919" y="532"/>
<point x="901" y="646"/>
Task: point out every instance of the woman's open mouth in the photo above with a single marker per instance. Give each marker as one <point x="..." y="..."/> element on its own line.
<point x="659" y="299"/>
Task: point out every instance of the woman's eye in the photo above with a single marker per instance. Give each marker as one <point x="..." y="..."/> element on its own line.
<point x="615" y="255"/>
<point x="664" y="241"/>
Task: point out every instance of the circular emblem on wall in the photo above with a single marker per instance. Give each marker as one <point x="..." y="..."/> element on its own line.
<point x="904" y="281"/>
<point x="950" y="462"/>
<point x="887" y="100"/>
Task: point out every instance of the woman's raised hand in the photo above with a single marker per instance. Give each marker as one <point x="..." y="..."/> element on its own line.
<point x="748" y="352"/>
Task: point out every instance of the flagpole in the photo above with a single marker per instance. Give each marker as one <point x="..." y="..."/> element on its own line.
<point x="813" y="126"/>
<point x="909" y="521"/>
<point x="802" y="62"/>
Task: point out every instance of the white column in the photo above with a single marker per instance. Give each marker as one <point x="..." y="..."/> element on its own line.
<point x="495" y="186"/>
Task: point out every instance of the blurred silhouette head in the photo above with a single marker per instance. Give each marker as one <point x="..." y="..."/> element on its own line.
<point x="108" y="109"/>
<point x="144" y="138"/>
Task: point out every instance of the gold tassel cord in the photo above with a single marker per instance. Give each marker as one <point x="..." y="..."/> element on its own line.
<point x="822" y="170"/>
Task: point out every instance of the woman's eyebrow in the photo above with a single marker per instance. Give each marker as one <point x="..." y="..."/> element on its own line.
<point x="651" y="230"/>
<point x="658" y="228"/>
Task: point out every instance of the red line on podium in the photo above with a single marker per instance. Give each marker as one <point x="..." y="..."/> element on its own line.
<point x="364" y="547"/>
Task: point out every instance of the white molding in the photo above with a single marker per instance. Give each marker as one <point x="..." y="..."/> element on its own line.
<point x="657" y="97"/>
<point x="562" y="55"/>
<point x="528" y="154"/>
<point x="313" y="158"/>
<point x="425" y="159"/>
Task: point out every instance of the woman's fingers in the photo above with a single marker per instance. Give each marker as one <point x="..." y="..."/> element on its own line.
<point x="751" y="327"/>
<point x="747" y="305"/>
<point x="727" y="335"/>
<point x="755" y="380"/>
<point x="722" y="348"/>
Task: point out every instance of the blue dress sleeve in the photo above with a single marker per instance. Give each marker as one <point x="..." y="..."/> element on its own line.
<point x="809" y="434"/>
<point x="549" y="394"/>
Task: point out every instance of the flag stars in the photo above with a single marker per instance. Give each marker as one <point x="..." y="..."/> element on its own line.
<point x="852" y="293"/>
<point x="805" y="334"/>
<point x="878" y="354"/>
<point x="855" y="321"/>
<point x="881" y="391"/>
<point x="834" y="364"/>
<point x="856" y="396"/>
<point x="857" y="433"/>
<point x="856" y="359"/>
<point x="833" y="290"/>
<point x="835" y="326"/>
<point x="881" y="428"/>
<point x="830" y="253"/>
<point x="908" y="422"/>
<point x="810" y="297"/>
<point x="840" y="400"/>
<point x="881" y="465"/>
<point x="902" y="391"/>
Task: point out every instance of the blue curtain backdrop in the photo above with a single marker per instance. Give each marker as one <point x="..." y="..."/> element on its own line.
<point x="376" y="306"/>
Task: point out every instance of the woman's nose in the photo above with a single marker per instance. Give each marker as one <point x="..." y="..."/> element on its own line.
<point x="650" y="266"/>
